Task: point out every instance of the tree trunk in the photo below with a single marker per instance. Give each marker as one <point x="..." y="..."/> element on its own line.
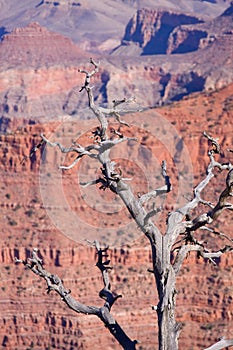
<point x="167" y="327"/>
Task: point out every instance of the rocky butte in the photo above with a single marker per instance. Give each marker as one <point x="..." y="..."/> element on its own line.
<point x="153" y="31"/>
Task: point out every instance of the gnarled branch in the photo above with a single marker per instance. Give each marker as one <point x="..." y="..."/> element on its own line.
<point x="202" y="252"/>
<point x="104" y="267"/>
<point x="54" y="283"/>
<point x="176" y="218"/>
<point x="101" y="112"/>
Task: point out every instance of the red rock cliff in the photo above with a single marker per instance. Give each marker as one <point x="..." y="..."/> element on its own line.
<point x="30" y="317"/>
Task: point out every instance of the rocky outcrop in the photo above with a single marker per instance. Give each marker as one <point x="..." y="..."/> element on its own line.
<point x="186" y="39"/>
<point x="150" y="29"/>
<point x="95" y="25"/>
<point x="190" y="38"/>
<point x="228" y="11"/>
<point x="39" y="93"/>
<point x="167" y="32"/>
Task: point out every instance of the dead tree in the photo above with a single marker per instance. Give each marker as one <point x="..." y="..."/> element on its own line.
<point x="178" y="239"/>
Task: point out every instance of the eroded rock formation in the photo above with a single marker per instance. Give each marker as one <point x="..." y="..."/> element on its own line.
<point x="153" y="32"/>
<point x="151" y="29"/>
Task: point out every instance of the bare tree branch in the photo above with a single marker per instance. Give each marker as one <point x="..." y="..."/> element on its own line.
<point x="54" y="283"/>
<point x="221" y="205"/>
<point x="164" y="189"/>
<point x="101" y="112"/>
<point x="93" y="182"/>
<point x="33" y="150"/>
<point x="98" y="113"/>
<point x="150" y="214"/>
<point x="89" y="74"/>
<point x="124" y="100"/>
<point x="82" y="151"/>
<point x="214" y="142"/>
<point x="221" y="344"/>
<point x="217" y="233"/>
<point x="202" y="252"/>
<point x="176" y="218"/>
<point x="106" y="292"/>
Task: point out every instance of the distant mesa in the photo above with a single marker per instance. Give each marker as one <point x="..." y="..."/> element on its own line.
<point x="33" y="28"/>
<point x="36" y="45"/>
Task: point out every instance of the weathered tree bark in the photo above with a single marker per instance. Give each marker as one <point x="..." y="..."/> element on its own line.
<point x="168" y="328"/>
<point x="178" y="239"/>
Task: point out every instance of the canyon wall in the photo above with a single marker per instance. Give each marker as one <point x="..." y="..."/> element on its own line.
<point x="30" y="318"/>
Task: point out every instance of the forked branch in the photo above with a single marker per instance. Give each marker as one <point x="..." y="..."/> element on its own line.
<point x="199" y="222"/>
<point x="176" y="218"/>
<point x="202" y="252"/>
<point x="54" y="283"/>
<point x="100" y="112"/>
<point x="89" y="151"/>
